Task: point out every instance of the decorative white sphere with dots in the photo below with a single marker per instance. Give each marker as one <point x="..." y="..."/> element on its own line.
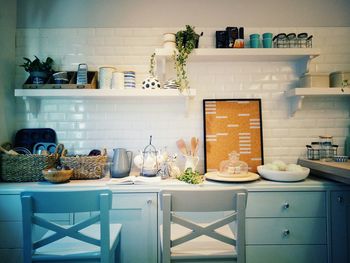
<point x="151" y="83"/>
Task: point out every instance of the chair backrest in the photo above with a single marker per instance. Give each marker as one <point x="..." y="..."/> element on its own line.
<point x="65" y="201"/>
<point x="204" y="200"/>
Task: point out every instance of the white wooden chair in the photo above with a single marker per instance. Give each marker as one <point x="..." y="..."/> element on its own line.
<point x="91" y="240"/>
<point x="186" y="240"/>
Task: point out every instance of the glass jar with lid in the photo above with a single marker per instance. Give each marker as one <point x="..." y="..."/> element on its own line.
<point x="326" y="148"/>
<point x="233" y="167"/>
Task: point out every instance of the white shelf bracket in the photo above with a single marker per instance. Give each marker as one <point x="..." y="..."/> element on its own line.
<point x="32" y="105"/>
<point x="296" y="103"/>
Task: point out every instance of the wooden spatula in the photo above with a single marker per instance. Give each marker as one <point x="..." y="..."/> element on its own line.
<point x="193" y="145"/>
<point x="182" y="146"/>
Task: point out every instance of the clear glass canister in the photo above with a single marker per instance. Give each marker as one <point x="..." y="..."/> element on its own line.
<point x="233" y="167"/>
<point x="326" y="148"/>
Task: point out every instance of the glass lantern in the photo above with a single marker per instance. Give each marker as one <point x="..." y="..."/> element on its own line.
<point x="150" y="163"/>
<point x="233" y="167"/>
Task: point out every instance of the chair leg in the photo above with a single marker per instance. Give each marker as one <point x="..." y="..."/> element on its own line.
<point x="118" y="254"/>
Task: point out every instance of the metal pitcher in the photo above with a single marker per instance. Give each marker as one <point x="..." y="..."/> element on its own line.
<point x="121" y="165"/>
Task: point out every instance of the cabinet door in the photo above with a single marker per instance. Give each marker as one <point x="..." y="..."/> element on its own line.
<point x="340" y="227"/>
<point x="137" y="212"/>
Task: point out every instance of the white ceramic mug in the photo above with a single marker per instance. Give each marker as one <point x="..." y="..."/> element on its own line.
<point x="105" y="77"/>
<point x="118" y="80"/>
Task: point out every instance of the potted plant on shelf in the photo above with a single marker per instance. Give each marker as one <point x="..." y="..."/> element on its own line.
<point x="186" y="41"/>
<point x="39" y="70"/>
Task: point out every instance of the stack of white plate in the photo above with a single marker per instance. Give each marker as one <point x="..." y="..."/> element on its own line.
<point x="129" y="79"/>
<point x="170" y="84"/>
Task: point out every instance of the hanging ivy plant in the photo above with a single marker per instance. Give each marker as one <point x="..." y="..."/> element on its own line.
<point x="186" y="41"/>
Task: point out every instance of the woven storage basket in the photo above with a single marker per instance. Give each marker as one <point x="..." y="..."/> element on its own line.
<point x="24" y="167"/>
<point x="85" y="167"/>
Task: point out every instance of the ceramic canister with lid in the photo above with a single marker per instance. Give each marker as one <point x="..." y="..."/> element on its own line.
<point x="339" y="79"/>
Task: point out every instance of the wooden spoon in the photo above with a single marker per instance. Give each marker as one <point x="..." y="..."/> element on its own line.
<point x="196" y="149"/>
<point x="193" y="145"/>
<point x="182" y="146"/>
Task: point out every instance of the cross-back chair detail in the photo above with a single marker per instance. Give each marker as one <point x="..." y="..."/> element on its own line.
<point x="96" y="241"/>
<point x="233" y="201"/>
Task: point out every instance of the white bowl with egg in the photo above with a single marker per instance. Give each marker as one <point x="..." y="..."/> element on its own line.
<point x="283" y="173"/>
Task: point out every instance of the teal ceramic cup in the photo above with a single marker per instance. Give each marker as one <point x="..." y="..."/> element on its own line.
<point x="267" y="43"/>
<point x="267" y="35"/>
<point x="254" y="36"/>
<point x="254" y="43"/>
<point x="254" y="40"/>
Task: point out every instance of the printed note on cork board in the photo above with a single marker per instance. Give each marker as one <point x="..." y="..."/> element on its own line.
<point x="232" y="125"/>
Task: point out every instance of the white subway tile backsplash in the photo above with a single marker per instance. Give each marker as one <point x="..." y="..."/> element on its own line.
<point x="87" y="124"/>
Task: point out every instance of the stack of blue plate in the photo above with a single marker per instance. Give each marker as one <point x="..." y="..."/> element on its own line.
<point x="129" y="79"/>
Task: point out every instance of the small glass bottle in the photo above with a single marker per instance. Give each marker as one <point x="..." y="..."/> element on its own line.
<point x="233" y="167"/>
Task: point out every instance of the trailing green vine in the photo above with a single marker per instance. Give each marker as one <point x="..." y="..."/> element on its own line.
<point x="186" y="41"/>
<point x="152" y="65"/>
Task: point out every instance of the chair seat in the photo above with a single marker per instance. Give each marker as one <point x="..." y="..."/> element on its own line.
<point x="69" y="248"/>
<point x="203" y="246"/>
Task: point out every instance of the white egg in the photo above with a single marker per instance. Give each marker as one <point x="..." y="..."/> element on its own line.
<point x="270" y="166"/>
<point x="280" y="164"/>
<point x="294" y="168"/>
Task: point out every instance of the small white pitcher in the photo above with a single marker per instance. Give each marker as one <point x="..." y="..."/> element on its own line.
<point x="191" y="162"/>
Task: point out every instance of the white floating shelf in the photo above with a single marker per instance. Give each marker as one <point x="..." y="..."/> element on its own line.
<point x="245" y="54"/>
<point x="318" y="92"/>
<point x="98" y="93"/>
<point x="32" y="97"/>
<point x="297" y="95"/>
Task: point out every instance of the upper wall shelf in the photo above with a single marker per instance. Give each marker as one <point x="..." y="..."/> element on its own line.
<point x="245" y="54"/>
<point x="32" y="97"/>
<point x="297" y="95"/>
<point x="301" y="56"/>
<point x="104" y="93"/>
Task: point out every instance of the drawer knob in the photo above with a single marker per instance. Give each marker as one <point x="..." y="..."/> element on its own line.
<point x="286" y="205"/>
<point x="149" y="201"/>
<point x="286" y="232"/>
<point x="340" y="199"/>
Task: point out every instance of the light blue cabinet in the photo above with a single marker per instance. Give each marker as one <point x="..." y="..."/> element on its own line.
<point x="340" y="224"/>
<point x="137" y="212"/>
<point x="286" y="226"/>
<point x="305" y="222"/>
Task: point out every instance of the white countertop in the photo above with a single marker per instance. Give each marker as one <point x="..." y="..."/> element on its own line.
<point x="310" y="183"/>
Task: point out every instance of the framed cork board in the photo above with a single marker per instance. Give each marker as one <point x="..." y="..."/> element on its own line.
<point x="232" y="125"/>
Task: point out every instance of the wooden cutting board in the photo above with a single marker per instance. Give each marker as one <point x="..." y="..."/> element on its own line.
<point x="338" y="171"/>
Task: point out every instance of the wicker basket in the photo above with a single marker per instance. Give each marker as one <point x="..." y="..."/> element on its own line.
<point x="24" y="167"/>
<point x="85" y="167"/>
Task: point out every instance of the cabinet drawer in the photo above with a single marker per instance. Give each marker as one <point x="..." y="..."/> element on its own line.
<point x="133" y="201"/>
<point x="274" y="231"/>
<point x="286" y="204"/>
<point x="287" y="254"/>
